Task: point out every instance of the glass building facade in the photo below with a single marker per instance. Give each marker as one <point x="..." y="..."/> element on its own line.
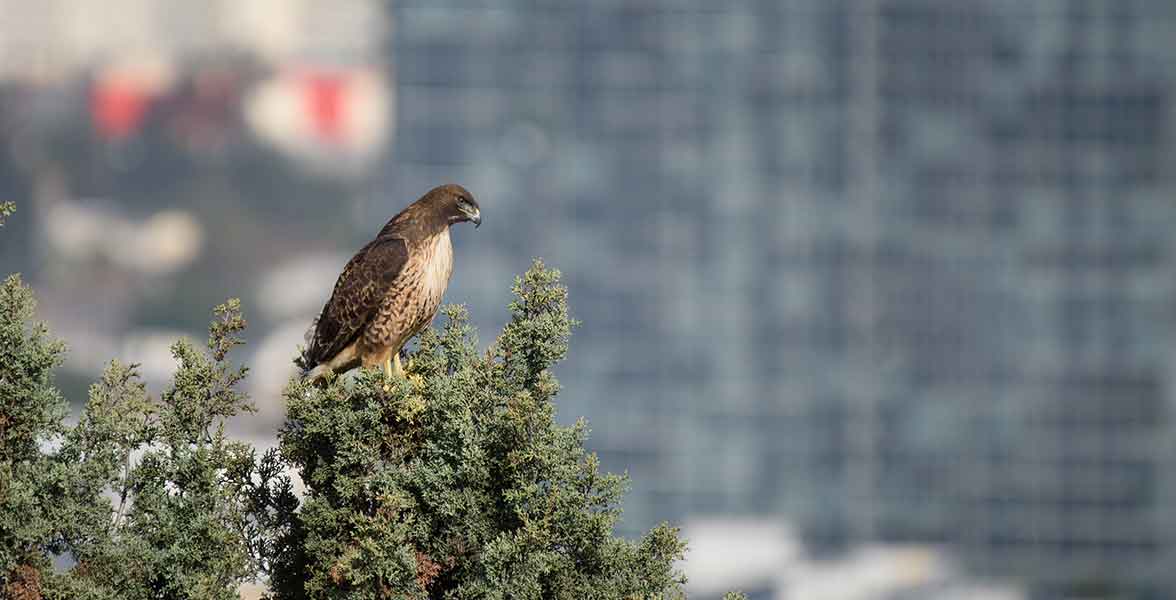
<point x="894" y="270"/>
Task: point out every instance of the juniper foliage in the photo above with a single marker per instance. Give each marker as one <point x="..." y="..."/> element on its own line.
<point x="453" y="483"/>
<point x="146" y="498"/>
<point x="31" y="414"/>
<point x="456" y="482"/>
<point x="184" y="524"/>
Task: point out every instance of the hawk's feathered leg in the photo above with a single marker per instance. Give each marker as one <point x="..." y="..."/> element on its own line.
<point x="392" y="367"/>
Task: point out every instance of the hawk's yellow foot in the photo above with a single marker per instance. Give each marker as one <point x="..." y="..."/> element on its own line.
<point x="392" y="368"/>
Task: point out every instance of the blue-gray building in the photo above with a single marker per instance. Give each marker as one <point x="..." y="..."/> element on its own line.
<point x="897" y="270"/>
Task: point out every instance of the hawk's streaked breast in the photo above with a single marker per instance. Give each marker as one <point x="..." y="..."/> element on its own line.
<point x="411" y="303"/>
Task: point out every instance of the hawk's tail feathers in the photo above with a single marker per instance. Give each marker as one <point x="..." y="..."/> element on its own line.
<point x="306" y="354"/>
<point x="308" y="337"/>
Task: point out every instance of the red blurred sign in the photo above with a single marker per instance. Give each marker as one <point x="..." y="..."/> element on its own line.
<point x="117" y="106"/>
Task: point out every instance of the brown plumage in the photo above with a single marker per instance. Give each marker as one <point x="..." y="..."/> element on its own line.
<point x="391" y="288"/>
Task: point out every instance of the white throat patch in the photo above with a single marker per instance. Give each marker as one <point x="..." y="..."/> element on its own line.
<point x="438" y="265"/>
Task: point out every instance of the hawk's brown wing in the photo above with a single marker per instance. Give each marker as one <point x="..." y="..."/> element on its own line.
<point x="358" y="293"/>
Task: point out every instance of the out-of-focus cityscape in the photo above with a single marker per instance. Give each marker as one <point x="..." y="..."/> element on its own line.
<point x="877" y="295"/>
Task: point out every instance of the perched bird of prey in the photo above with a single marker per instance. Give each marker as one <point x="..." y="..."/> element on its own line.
<point x="391" y="288"/>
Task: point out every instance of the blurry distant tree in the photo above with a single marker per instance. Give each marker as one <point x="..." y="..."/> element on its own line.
<point x="454" y="482"/>
<point x="6" y="209"/>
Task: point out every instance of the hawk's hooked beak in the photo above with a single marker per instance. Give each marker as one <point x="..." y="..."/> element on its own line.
<point x="476" y="217"/>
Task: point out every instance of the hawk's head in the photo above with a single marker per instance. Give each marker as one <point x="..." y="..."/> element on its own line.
<point x="454" y="203"/>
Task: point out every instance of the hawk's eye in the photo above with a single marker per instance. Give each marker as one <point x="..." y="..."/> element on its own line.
<point x="463" y="204"/>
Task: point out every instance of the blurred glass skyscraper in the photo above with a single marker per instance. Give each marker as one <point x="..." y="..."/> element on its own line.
<point x="895" y="269"/>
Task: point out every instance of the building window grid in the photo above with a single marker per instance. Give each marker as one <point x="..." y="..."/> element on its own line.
<point x="1027" y="519"/>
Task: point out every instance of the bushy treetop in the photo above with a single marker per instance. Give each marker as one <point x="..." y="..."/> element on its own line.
<point x="455" y="482"/>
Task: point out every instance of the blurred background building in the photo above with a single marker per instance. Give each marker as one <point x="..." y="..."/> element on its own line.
<point x="895" y="276"/>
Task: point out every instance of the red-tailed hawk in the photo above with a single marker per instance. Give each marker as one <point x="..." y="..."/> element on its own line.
<point x="391" y="288"/>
